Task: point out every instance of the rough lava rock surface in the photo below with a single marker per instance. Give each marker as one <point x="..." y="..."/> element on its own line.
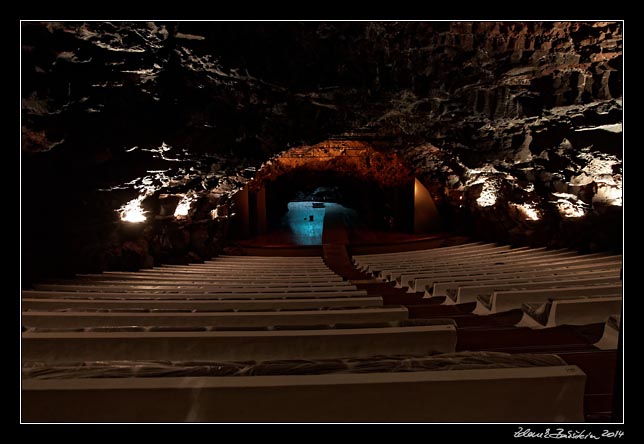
<point x="515" y="128"/>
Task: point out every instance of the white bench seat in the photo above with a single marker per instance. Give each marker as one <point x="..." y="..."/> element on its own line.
<point x="319" y="265"/>
<point x="210" y="276"/>
<point x="238" y="345"/>
<point x="269" y="271"/>
<point x="469" y="270"/>
<point x="467" y="267"/>
<point x="500" y="301"/>
<point x="569" y="311"/>
<point x="298" y="259"/>
<point x="435" y="255"/>
<point x="266" y="265"/>
<point x="461" y="257"/>
<point x="250" y="282"/>
<point x="73" y="319"/>
<point x="442" y="287"/>
<point x="197" y="288"/>
<point x="422" y="251"/>
<point x="470" y="293"/>
<point x="478" y="395"/>
<point x="347" y="292"/>
<point x="242" y="305"/>
<point x="363" y="260"/>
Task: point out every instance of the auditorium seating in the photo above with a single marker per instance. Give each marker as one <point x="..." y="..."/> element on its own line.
<point x="440" y="286"/>
<point x="500" y="301"/>
<point x="490" y="264"/>
<point x="469" y="293"/>
<point x="462" y="273"/>
<point x="90" y="339"/>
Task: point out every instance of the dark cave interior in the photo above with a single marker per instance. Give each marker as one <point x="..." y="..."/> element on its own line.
<point x="514" y="128"/>
<point x="308" y="221"/>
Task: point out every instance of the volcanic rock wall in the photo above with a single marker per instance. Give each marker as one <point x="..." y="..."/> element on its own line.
<point x="526" y="144"/>
<point x="515" y="128"/>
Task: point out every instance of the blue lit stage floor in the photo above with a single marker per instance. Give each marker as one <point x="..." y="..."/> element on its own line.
<point x="332" y="223"/>
<point x="305" y="220"/>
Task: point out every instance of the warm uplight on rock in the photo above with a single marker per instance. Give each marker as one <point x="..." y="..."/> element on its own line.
<point x="608" y="192"/>
<point x="183" y="207"/>
<point x="569" y="210"/>
<point x="487" y="198"/>
<point x="132" y="211"/>
<point x="569" y="206"/>
<point x="352" y="157"/>
<point x="528" y="211"/>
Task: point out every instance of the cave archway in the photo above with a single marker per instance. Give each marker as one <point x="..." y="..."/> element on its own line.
<point x="352" y="174"/>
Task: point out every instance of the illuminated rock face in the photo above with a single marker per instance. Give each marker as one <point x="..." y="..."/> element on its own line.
<point x="150" y="108"/>
<point x="560" y="185"/>
<point x="350" y="157"/>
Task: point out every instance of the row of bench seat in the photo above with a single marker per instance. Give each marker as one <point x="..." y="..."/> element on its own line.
<point x="240" y="309"/>
<point x="453" y="387"/>
<point x="500" y="278"/>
